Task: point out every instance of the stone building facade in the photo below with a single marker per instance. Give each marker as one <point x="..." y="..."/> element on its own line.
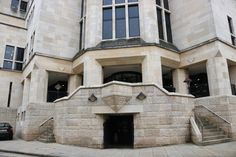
<point x="139" y="66"/>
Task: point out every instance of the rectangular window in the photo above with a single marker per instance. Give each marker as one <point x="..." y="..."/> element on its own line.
<point x="230" y="22"/>
<point x="233" y="40"/>
<point x="160" y="24"/>
<point x="134" y="28"/>
<point x="120" y="22"/>
<point x="12" y="61"/>
<point x="9" y="95"/>
<point x="121" y="15"/>
<point x="23" y="6"/>
<point x="81" y="35"/>
<point x="158" y="2"/>
<point x="168" y="27"/>
<point x="166" y="4"/>
<point x="14" y="5"/>
<point x="107" y="23"/>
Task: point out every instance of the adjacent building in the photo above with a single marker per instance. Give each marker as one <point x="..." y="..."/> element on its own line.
<point x="108" y="73"/>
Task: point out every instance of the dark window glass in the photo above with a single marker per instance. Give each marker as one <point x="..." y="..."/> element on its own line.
<point x="82" y="8"/>
<point x="158" y="2"/>
<point x="120" y="22"/>
<point x="20" y="54"/>
<point x="230" y="25"/>
<point x="107" y="23"/>
<point x="107" y="2"/>
<point x="168" y="27"/>
<point x="18" y="66"/>
<point x="134" y="29"/>
<point x="9" y="52"/>
<point x="14" y="5"/>
<point x="132" y="0"/>
<point x="160" y="24"/>
<point x="7" y="65"/>
<point x="81" y="35"/>
<point x="233" y="40"/>
<point x="23" y="6"/>
<point x="166" y="4"/>
<point x="120" y="1"/>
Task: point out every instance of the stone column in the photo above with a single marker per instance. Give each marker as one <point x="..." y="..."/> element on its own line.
<point x="38" y="85"/>
<point x="152" y="70"/>
<point x="93" y="73"/>
<point x="218" y="76"/>
<point x="26" y="90"/>
<point x="74" y="82"/>
<point x="179" y="75"/>
<point x="147" y="23"/>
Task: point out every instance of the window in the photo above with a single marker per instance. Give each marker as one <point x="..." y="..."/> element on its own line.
<point x="14" y="5"/>
<point x="23" y="6"/>
<point x="31" y="45"/>
<point x="120" y="19"/>
<point x="231" y="30"/>
<point x="82" y="24"/>
<point x="163" y="19"/>
<point x="14" y="57"/>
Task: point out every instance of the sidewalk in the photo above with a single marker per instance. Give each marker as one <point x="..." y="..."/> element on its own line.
<point x="57" y="150"/>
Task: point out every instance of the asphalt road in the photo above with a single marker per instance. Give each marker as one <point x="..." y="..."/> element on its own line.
<point x="13" y="155"/>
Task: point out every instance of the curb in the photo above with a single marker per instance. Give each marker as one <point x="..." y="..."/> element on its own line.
<point x="30" y="154"/>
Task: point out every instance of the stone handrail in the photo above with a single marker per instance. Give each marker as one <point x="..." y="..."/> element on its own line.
<point x="45" y="126"/>
<point x="204" y="112"/>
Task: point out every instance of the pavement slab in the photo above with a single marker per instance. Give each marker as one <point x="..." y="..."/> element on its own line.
<point x="35" y="148"/>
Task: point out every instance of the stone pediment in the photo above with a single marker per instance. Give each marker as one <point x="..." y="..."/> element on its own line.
<point x="116" y="96"/>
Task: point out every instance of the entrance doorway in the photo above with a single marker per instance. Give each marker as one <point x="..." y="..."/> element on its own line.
<point x="119" y="131"/>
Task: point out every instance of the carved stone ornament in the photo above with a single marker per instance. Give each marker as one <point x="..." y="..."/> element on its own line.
<point x="92" y="98"/>
<point x="141" y="96"/>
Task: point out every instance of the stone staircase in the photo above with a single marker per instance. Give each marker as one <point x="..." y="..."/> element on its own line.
<point x="46" y="134"/>
<point x="211" y="134"/>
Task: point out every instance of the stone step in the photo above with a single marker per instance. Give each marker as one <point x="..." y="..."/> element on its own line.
<point x="207" y="132"/>
<point x="215" y="141"/>
<point x="207" y="138"/>
<point x="209" y="127"/>
<point x="211" y="130"/>
<point x="50" y="140"/>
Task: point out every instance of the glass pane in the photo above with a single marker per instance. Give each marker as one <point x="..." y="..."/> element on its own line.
<point x="7" y="65"/>
<point x="9" y="52"/>
<point x="168" y="28"/>
<point x="20" y="54"/>
<point x="120" y="22"/>
<point x="120" y="1"/>
<point x="18" y="66"/>
<point x="14" y="4"/>
<point x="132" y="0"/>
<point x="166" y="4"/>
<point x="134" y="29"/>
<point x="107" y="2"/>
<point x="160" y="25"/>
<point x="158" y="2"/>
<point x="233" y="40"/>
<point x="107" y="23"/>
<point x="23" y="6"/>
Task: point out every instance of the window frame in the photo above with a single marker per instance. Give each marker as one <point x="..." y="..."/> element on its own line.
<point x="164" y="11"/>
<point x="231" y="30"/>
<point x="113" y="7"/>
<point x="13" y="60"/>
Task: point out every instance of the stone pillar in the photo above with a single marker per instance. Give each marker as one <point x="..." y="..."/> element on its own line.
<point x="147" y="23"/>
<point x="218" y="76"/>
<point x="38" y="85"/>
<point x="152" y="70"/>
<point x="93" y="73"/>
<point x="74" y="82"/>
<point x="179" y="75"/>
<point x="26" y="90"/>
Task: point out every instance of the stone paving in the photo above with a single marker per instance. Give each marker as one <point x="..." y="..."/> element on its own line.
<point x="183" y="150"/>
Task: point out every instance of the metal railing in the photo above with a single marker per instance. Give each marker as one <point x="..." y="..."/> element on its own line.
<point x="202" y="112"/>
